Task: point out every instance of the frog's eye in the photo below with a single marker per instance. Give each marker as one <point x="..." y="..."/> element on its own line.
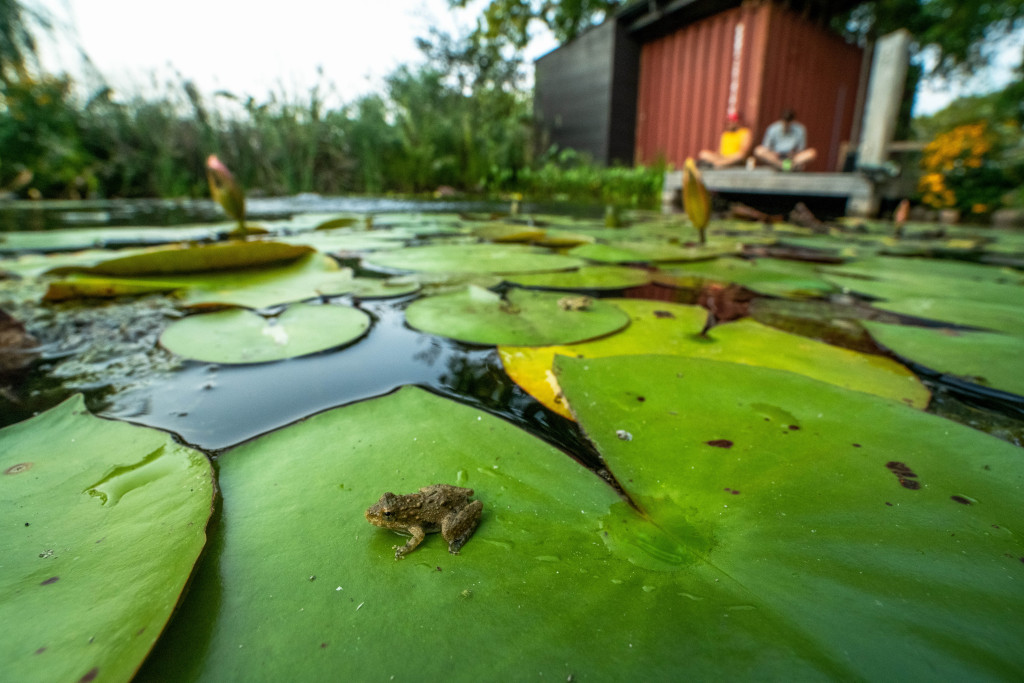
<point x="387" y="513"/>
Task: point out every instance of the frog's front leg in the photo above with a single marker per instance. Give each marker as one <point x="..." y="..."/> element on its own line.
<point x="458" y="527"/>
<point x="417" y="537"/>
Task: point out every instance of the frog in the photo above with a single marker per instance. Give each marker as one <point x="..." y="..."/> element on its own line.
<point x="439" y="508"/>
<point x="575" y="303"/>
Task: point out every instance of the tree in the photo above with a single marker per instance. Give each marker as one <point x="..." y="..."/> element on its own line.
<point x="507" y="22"/>
<point x="18" y="49"/>
<point x="956" y="33"/>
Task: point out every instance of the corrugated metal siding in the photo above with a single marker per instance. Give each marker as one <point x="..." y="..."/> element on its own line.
<point x="785" y="61"/>
<point x="816" y="73"/>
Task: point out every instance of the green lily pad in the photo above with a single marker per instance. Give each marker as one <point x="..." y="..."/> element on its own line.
<point x="340" y="241"/>
<point x="383" y="288"/>
<point x="473" y="258"/>
<point x="508" y="232"/>
<point x="523" y="317"/>
<point x="673" y="329"/>
<point x="294" y="551"/>
<point x="773" y="277"/>
<point x="74" y="239"/>
<point x="893" y="532"/>
<point x="200" y="258"/>
<point x="989" y="359"/>
<point x="243" y="336"/>
<point x="103" y="523"/>
<point x="74" y="287"/>
<point x="647" y="252"/>
<point x="896" y="278"/>
<point x="310" y="276"/>
<point x="998" y="317"/>
<point x="587" y="277"/>
<point x="563" y="238"/>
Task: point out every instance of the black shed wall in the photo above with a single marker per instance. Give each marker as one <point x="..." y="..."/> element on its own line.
<point x="586" y="92"/>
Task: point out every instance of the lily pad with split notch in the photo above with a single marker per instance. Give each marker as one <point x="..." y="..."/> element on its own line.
<point x="296" y="551"/>
<point x="242" y="336"/>
<point x="103" y="523"/>
<point x="795" y="489"/>
<point x="522" y="317"/>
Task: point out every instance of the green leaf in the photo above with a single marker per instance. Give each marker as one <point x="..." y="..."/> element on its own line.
<point x="587" y="277"/>
<point x="103" y="522"/>
<point x="74" y="239"/>
<point x="896" y="278"/>
<point x="989" y="359"/>
<point x="1008" y="318"/>
<point x="508" y="232"/>
<point x="242" y="336"/>
<point x="473" y="258"/>
<point x="523" y="317"/>
<point x="860" y="525"/>
<point x="649" y="251"/>
<point x="200" y="258"/>
<point x="674" y="329"/>
<point x="773" y="277"/>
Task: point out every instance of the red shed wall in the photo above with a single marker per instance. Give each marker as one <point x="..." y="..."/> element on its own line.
<point x="685" y="77"/>
<point x="817" y="74"/>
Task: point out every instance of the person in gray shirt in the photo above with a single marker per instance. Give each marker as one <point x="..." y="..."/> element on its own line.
<point x="785" y="144"/>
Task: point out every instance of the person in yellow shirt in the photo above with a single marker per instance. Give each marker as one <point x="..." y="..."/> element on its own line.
<point x="733" y="146"/>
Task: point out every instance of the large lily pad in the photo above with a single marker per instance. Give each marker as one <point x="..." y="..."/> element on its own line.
<point x="103" y="522"/>
<point x="989" y="359"/>
<point x="302" y="588"/>
<point x="522" y="317"/>
<point x="243" y="336"/>
<point x="673" y="329"/>
<point x="888" y="534"/>
<point x="474" y="258"/>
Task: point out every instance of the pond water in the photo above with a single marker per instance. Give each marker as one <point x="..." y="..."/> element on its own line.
<point x="215" y="406"/>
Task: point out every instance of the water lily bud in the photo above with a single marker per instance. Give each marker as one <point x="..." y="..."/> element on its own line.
<point x="696" y="199"/>
<point x="225" y="190"/>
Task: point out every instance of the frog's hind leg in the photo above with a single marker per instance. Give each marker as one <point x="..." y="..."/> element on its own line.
<point x="457" y="528"/>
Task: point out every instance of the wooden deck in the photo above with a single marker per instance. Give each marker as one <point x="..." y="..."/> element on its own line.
<point x="860" y="193"/>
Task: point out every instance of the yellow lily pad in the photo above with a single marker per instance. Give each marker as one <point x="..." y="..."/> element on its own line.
<point x="674" y="329"/>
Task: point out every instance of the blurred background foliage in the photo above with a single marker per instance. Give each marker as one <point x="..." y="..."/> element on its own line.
<point x="459" y="122"/>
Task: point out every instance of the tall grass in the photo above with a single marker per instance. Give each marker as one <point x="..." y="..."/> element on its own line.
<point x="425" y="131"/>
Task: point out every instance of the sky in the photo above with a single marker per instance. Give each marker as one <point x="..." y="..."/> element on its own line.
<point x="249" y="48"/>
<point x="254" y="49"/>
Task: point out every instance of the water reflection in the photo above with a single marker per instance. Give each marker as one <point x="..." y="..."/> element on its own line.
<point x="214" y="407"/>
<point x="48" y="215"/>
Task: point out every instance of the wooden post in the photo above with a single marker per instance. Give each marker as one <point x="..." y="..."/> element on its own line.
<point x="885" y="93"/>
